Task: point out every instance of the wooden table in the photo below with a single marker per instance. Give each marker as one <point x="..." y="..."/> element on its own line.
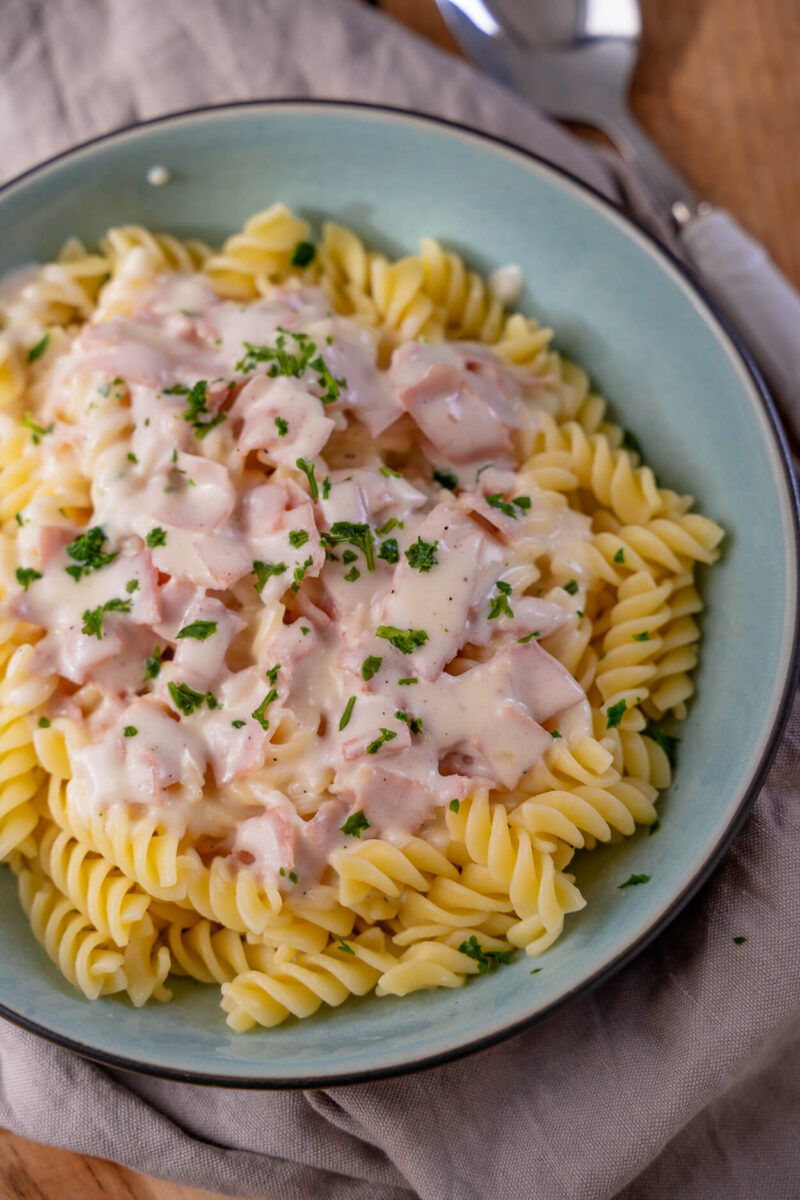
<point x="719" y="90"/>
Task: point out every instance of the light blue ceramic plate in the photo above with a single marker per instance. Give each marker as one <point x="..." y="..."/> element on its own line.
<point x="653" y="345"/>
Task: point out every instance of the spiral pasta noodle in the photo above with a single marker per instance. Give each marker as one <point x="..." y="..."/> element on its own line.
<point x="119" y="897"/>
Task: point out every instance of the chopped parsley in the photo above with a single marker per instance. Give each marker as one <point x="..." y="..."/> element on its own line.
<point x="300" y="574"/>
<point x="259" y="714"/>
<point x="326" y="487"/>
<point x="370" y="667"/>
<point x="615" y="713"/>
<point x="523" y="502"/>
<point x="130" y="731"/>
<point x="343" y="946"/>
<point x="739" y="941"/>
<point x="152" y="665"/>
<point x="486" y="959"/>
<point x="355" y="534"/>
<point x="386" y="735"/>
<point x="634" y="881"/>
<point x="349" y="556"/>
<point x="132" y="458"/>
<point x="389" y="551"/>
<point x="156" y="537"/>
<point x="264" y="571"/>
<point x="38" y="350"/>
<point x="391" y="524"/>
<point x="654" y="828"/>
<point x="388" y="473"/>
<point x="197" y="407"/>
<point x="406" y="682"/>
<point x="93" y="617"/>
<point x="422" y="555"/>
<point x="497" y="500"/>
<point x="571" y="587"/>
<point x="186" y="699"/>
<point x="304" y="630"/>
<point x="43" y="723"/>
<point x="298" y="538"/>
<point x="292" y="877"/>
<point x="303" y="254"/>
<point x="355" y="824"/>
<point x="238" y="724"/>
<point x="528" y="636"/>
<point x="619" y="557"/>
<point x="631" y="442"/>
<point x="413" y="723"/>
<point x="293" y="364"/>
<point x="404" y="640"/>
<point x="352" y="575"/>
<point x="308" y="470"/>
<point x="446" y="479"/>
<point x="344" y="720"/>
<point x="26" y="576"/>
<point x="500" y="606"/>
<point x="200" y="630"/>
<point x="87" y="550"/>
<point x="555" y="733"/>
<point x="666" y="741"/>
<point x="282" y="426"/>
<point x="132" y="586"/>
<point x="641" y="637"/>
<point x="272" y="673"/>
<point x="454" y="806"/>
<point x="37" y="431"/>
<point x="19" y="519"/>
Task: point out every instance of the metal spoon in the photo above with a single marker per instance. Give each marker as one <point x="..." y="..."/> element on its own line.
<point x="574" y="60"/>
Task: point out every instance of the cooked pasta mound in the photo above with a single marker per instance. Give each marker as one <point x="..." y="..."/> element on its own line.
<point x="336" y="617"/>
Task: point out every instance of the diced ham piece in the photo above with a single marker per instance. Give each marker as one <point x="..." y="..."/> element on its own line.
<point x="140" y="352"/>
<point x="370" y="714"/>
<point x="379" y="492"/>
<point x="234" y="750"/>
<point x="200" y="659"/>
<point x="198" y="494"/>
<point x="393" y="800"/>
<point x="267" y="842"/>
<point x="281" y="417"/>
<point x="462" y="416"/>
<point x="351" y="356"/>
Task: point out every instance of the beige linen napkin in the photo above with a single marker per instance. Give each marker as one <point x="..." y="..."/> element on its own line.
<point x="680" y="1078"/>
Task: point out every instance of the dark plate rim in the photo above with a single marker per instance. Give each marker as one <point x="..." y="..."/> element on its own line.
<point x="727" y="835"/>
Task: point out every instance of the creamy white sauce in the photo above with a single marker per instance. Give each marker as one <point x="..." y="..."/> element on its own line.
<point x="241" y="616"/>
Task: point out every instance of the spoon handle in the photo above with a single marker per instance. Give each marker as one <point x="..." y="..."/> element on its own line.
<point x="759" y="300"/>
<point x="666" y="185"/>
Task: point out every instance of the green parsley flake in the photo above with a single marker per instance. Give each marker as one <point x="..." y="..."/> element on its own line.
<point x="19" y="519"/>
<point x="631" y="442"/>
<point x="272" y="674"/>
<point x="264" y="571"/>
<point x="422" y="555"/>
<point x="298" y="538"/>
<point x="355" y="824"/>
<point x="634" y="881"/>
<point x="619" y="557"/>
<point x="446" y="479"/>
<point x="389" y="551"/>
<point x="308" y="470"/>
<point x="43" y="723"/>
<point x="407" y="682"/>
<point x="300" y="574"/>
<point x="343" y="946"/>
<point x="93" y="617"/>
<point x="344" y="720"/>
<point x="132" y="586"/>
<point x="355" y="534"/>
<point x="391" y="524"/>
<point x="528" y="636"/>
<point x="200" y="630"/>
<point x="352" y="575"/>
<point x="186" y="699"/>
<point x="615" y="713"/>
<point x="240" y="724"/>
<point x="641" y="637"/>
<point x="26" y="576"/>
<point x="196" y="407"/>
<point x="523" y="502"/>
<point x="282" y="426"/>
<point x="454" y="806"/>
<point x="130" y="731"/>
<point x="326" y="487"/>
<point x="499" y="604"/>
<point x="293" y="877"/>
<point x="555" y="733"/>
<point x="38" y="350"/>
<point x="654" y="828"/>
<point x="293" y="364"/>
<point x="386" y="735"/>
<point x="132" y="458"/>
<point x="152" y="665"/>
<point x="370" y="667"/>
<point x="486" y="959"/>
<point x="87" y="550"/>
<point x="404" y="640"/>
<point x="259" y="714"/>
<point x="388" y="473"/>
<point x="739" y="941"/>
<point x="303" y="254"/>
<point x="37" y="431"/>
<point x="499" y="501"/>
<point x="571" y="587"/>
<point x="413" y="723"/>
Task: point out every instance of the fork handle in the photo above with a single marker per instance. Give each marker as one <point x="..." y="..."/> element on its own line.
<point x="758" y="298"/>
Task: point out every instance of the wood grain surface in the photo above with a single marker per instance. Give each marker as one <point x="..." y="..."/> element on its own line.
<point x="718" y="88"/>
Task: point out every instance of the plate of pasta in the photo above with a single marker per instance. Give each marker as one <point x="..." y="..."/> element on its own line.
<point x="380" y="573"/>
